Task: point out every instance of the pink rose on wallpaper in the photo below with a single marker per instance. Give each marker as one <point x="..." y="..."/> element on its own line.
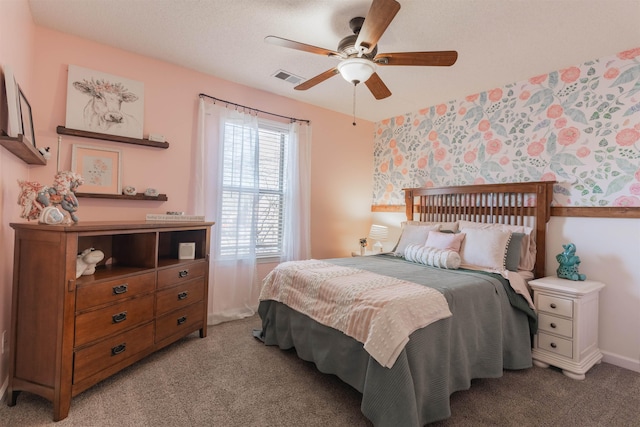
<point x="462" y="111"/>
<point x="524" y="95"/>
<point x="570" y="75"/>
<point x="397" y="160"/>
<point x="560" y="123"/>
<point x="439" y="154"/>
<point x="487" y="135"/>
<point x="538" y="79"/>
<point x="478" y="181"/>
<point x="627" y="137"/>
<point x="535" y="148"/>
<point x="484" y="125"/>
<point x="428" y="184"/>
<point x="568" y="136"/>
<point x="629" y="54"/>
<point x="435" y="144"/>
<point x="495" y="95"/>
<point x="399" y="120"/>
<point x="549" y="176"/>
<point x="555" y="111"/>
<point x="384" y="167"/>
<point x="635" y="188"/>
<point x="379" y="131"/>
<point x="392" y="143"/>
<point x="423" y="111"/>
<point x="583" y="152"/>
<point x="416" y="123"/>
<point x="637" y="175"/>
<point x="422" y="162"/>
<point x="494" y="146"/>
<point x="433" y="135"/>
<point x="404" y="171"/>
<point x="627" y="201"/>
<point x="441" y="109"/>
<point x="611" y="73"/>
<point x="470" y="156"/>
<point x="386" y="122"/>
<point x="447" y="166"/>
<point x="472" y="98"/>
<point x="389" y="187"/>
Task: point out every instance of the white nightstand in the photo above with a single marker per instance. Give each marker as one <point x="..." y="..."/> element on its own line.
<point x="567" y="324"/>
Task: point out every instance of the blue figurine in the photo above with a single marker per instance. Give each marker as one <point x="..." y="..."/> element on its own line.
<point x="569" y="263"/>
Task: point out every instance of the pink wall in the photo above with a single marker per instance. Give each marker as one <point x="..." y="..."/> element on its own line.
<point x="342" y="155"/>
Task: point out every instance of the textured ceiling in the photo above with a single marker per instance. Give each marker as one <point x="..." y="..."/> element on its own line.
<point x="498" y="41"/>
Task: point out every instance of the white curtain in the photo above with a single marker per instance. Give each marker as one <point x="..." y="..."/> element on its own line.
<point x="234" y="287"/>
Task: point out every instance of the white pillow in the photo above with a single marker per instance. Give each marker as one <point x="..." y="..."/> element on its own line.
<point x="445" y="241"/>
<point x="413" y="234"/>
<point x="527" y="248"/>
<point x="444" y="226"/>
<point x="485" y="248"/>
<point x="433" y="257"/>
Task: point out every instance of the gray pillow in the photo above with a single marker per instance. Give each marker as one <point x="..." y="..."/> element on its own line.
<point x="513" y="251"/>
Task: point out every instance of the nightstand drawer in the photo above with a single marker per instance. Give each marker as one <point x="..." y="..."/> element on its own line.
<point x="92" y="295"/>
<point x="556" y="345"/>
<point x="555" y="325"/>
<point x="555" y="305"/>
<point x="179" y="296"/>
<point x="180" y="274"/>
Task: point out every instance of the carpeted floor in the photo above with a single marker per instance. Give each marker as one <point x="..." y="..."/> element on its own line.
<point x="230" y="379"/>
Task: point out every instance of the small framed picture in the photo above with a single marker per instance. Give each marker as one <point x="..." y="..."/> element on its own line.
<point x="12" y="125"/>
<point x="26" y="118"/>
<point x="100" y="167"/>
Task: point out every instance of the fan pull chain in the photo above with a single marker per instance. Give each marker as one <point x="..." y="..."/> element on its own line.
<point x="354" y="103"/>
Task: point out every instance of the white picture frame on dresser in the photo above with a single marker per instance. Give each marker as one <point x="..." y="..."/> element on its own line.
<point x="567" y="335"/>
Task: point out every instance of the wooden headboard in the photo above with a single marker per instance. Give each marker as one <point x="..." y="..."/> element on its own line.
<point x="526" y="203"/>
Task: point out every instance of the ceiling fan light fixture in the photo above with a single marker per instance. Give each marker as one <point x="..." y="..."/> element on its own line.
<point x="356" y="70"/>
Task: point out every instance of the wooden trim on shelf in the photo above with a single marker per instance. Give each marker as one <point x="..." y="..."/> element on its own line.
<point x="139" y="196"/>
<point x="115" y="138"/>
<point x="22" y="148"/>
<point x="560" y="211"/>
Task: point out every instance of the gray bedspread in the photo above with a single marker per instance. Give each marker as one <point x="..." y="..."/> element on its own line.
<point x="485" y="335"/>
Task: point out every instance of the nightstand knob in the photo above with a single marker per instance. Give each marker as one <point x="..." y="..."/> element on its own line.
<point x="553" y="325"/>
<point x="553" y="345"/>
<point x="552" y="305"/>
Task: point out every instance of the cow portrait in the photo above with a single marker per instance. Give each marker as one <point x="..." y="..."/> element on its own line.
<point x="103" y="111"/>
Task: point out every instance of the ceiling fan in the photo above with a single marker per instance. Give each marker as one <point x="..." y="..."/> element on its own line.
<point x="358" y="53"/>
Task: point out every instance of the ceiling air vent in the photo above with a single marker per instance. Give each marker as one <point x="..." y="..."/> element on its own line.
<point x="287" y="77"/>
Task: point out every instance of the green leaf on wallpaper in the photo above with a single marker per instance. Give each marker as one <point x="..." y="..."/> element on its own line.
<point x="588" y="130"/>
<point x="491" y="167"/>
<point x="576" y="115"/>
<point x="632" y="110"/>
<point x="558" y="170"/>
<point x="626" y="166"/>
<point x="584" y="192"/>
<point x="553" y="79"/>
<point x="618" y="184"/>
<point x="567" y="159"/>
<point x="543" y="124"/>
<point x="474" y="115"/>
<point x="595" y="85"/>
<point x="595" y="116"/>
<point x="627" y="76"/>
<point x="534" y="173"/>
<point x="545" y="96"/>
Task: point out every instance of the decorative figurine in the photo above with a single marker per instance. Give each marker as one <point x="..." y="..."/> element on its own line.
<point x="87" y="260"/>
<point x="569" y="263"/>
<point x="129" y="190"/>
<point x="34" y="198"/>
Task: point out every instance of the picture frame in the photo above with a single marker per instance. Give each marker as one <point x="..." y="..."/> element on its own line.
<point x="101" y="168"/>
<point x="26" y="117"/>
<point x="10" y="112"/>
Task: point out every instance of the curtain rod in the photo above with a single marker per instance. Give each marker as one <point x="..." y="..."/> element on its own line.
<point x="292" y="119"/>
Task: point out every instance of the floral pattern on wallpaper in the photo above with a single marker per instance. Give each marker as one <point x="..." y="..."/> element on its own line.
<point x="579" y="126"/>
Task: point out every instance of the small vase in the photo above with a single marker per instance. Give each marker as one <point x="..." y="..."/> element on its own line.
<point x="362" y="250"/>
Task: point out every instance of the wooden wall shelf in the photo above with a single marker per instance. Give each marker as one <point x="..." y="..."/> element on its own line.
<point x="140" y="196"/>
<point x="23" y="148"/>
<point x="116" y="138"/>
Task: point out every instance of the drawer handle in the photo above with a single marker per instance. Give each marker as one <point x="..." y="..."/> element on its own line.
<point x="182" y="295"/>
<point x="118" y="349"/>
<point x="120" y="289"/>
<point x="553" y="325"/>
<point x="552" y="305"/>
<point x="120" y="317"/>
<point x="183" y="273"/>
<point x="553" y="345"/>
<point x="181" y="320"/>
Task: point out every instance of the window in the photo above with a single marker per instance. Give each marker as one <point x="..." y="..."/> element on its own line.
<point x="253" y="177"/>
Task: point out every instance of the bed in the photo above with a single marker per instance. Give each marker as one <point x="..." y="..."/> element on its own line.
<point x="491" y="319"/>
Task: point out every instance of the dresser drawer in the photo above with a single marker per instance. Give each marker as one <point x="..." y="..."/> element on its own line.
<point x="92" y="295"/>
<point x="113" y="319"/>
<point x="180" y="322"/>
<point x="179" y="296"/>
<point x="556" y="345"/>
<point x="555" y="305"/>
<point x="182" y="273"/>
<point x="99" y="356"/>
<point x="556" y="325"/>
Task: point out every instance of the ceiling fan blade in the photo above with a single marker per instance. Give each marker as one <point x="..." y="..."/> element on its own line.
<point x="443" y="58"/>
<point x="377" y="87"/>
<point x="380" y="15"/>
<point x="317" y="79"/>
<point x="279" y="41"/>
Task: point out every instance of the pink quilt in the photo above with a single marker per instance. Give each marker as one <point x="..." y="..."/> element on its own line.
<point x="378" y="311"/>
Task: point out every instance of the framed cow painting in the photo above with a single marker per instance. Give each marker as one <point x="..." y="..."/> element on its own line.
<point x="104" y="103"/>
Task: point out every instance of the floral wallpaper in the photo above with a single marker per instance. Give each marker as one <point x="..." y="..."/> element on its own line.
<point x="579" y="126"/>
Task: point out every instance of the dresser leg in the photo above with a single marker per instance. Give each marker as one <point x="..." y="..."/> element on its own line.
<point x="540" y="364"/>
<point x="12" y="397"/>
<point x="573" y="375"/>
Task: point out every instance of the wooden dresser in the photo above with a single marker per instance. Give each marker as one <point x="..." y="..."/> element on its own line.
<point x="68" y="334"/>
